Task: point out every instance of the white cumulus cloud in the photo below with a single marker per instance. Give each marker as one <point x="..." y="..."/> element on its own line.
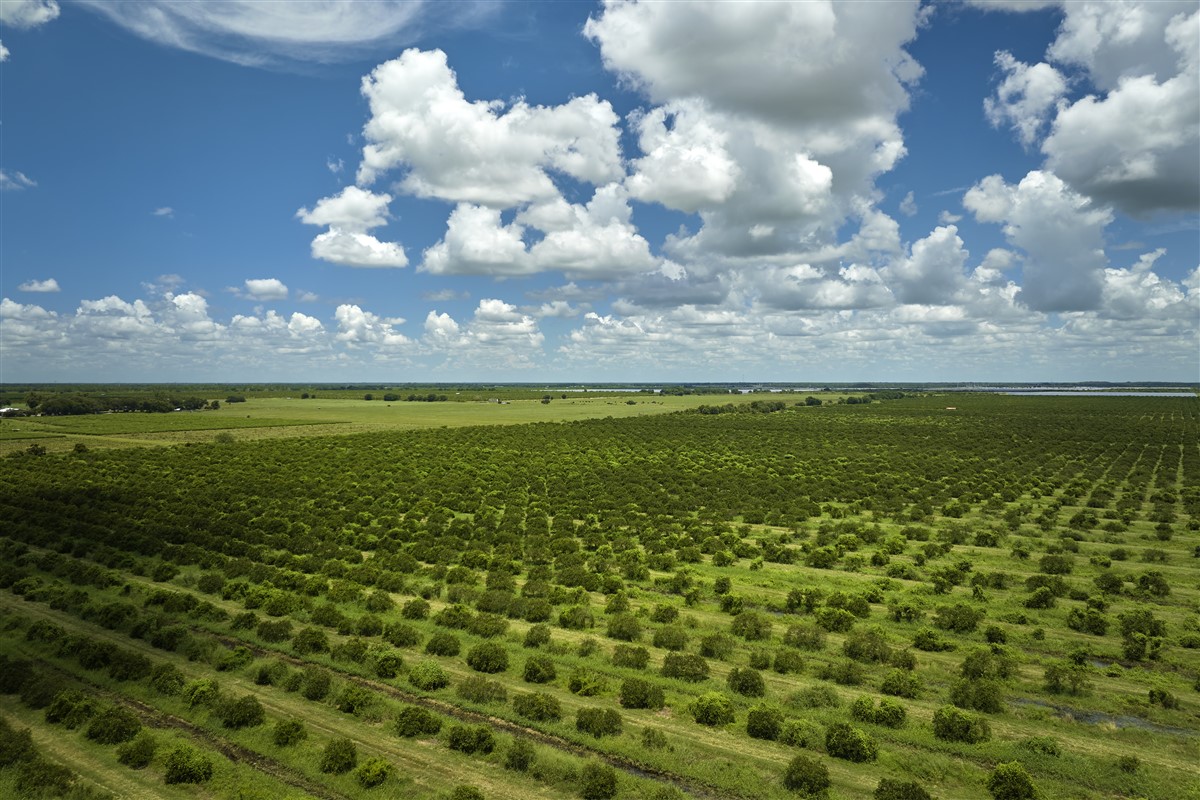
<point x="48" y="285"/>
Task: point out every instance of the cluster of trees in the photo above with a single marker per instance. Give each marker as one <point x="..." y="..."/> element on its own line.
<point x="61" y="405"/>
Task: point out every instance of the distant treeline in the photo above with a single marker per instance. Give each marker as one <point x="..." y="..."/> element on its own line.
<point x="62" y="405"/>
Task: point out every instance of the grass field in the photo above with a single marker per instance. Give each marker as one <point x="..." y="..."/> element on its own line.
<point x="280" y="417"/>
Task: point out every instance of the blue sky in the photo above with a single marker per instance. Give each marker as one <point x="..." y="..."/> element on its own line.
<point x="411" y="192"/>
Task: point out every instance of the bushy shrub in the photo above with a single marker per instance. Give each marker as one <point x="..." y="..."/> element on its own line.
<point x="788" y="662"/>
<point x="598" y="722"/>
<point x="520" y="756"/>
<point x="576" y="618"/>
<point x="372" y="772"/>
<point x="415" y="609"/>
<point x="539" y="669"/>
<point x="275" y="630"/>
<point x="815" y="697"/>
<point x="245" y="712"/>
<point x="339" y="757"/>
<point x="717" y="645"/>
<point x="624" y="627"/>
<point x="1042" y="745"/>
<point x="888" y="713"/>
<point x="538" y="706"/>
<point x="537" y="636"/>
<point x="952" y="725"/>
<point x="470" y="739"/>
<point x="443" y="644"/>
<point x="764" y="723"/>
<point x="428" y="676"/>
<point x="488" y="626"/>
<point x="752" y="626"/>
<point x="806" y="775"/>
<point x="310" y="640"/>
<point x="899" y="683"/>
<point x="316" y="685"/>
<point x="388" y="665"/>
<point x="466" y="792"/>
<point x="597" y="781"/>
<point x="167" y="679"/>
<point x="478" y="689"/>
<point x="639" y="693"/>
<point x="671" y="637"/>
<point x="712" y="708"/>
<point x="978" y="695"/>
<point x="685" y="667"/>
<point x="801" y="733"/>
<point x="1010" y="781"/>
<point x="930" y="641"/>
<point x="415" y="721"/>
<point x="849" y="743"/>
<point x="488" y="657"/>
<point x="630" y="656"/>
<point x="746" y="682"/>
<point x="71" y="708"/>
<point x="138" y="752"/>
<point x="805" y="636"/>
<point x="114" y="725"/>
<point x="288" y="732"/>
<point x="354" y="699"/>
<point x="843" y="672"/>
<point x="401" y="634"/>
<point x="586" y="682"/>
<point x="185" y="764"/>
<point x="129" y="666"/>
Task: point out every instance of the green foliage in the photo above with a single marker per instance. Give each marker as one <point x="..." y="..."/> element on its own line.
<point x="597" y="781"/>
<point x="478" y="689"/>
<point x="712" y="709"/>
<point x="630" y="656"/>
<point x="414" y="721"/>
<point x="763" y="722"/>
<point x="639" y="693"/>
<point x="372" y="772"/>
<point x="586" y="682"/>
<point x="339" y="756"/>
<point x="316" y="684"/>
<point x="443" y="644"/>
<point x="624" y="627"/>
<point x="849" y="743"/>
<point x="71" y="708"/>
<point x="114" y="725"/>
<point x="889" y="789"/>
<point x="746" y="682"/>
<point x="888" y="712"/>
<point x="245" y="712"/>
<point x="806" y="775"/>
<point x="952" y="725"/>
<point x="488" y="657"/>
<point x="138" y="752"/>
<point x="520" y="756"/>
<point x="598" y="722"/>
<point x="687" y="667"/>
<point x="539" y="669"/>
<point x="538" y="706"/>
<point x="428" y="676"/>
<point x="470" y="739"/>
<point x="185" y="764"/>
<point x="288" y="732"/>
<point x="1010" y="781"/>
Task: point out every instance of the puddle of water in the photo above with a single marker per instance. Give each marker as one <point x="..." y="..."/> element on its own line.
<point x="1100" y="717"/>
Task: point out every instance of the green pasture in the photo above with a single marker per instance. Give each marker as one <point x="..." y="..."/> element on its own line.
<point x="286" y="417"/>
